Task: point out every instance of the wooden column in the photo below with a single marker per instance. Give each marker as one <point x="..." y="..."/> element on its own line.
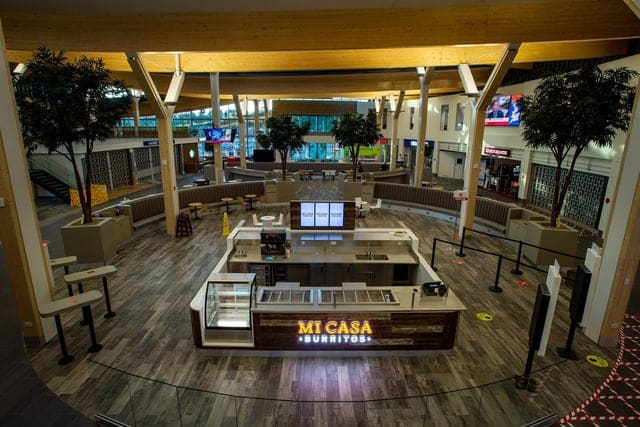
<point x="395" y="143"/>
<point x="19" y="226"/>
<point x="163" y="111"/>
<point x="265" y="103"/>
<point x="136" y="115"/>
<point x="214" y="80"/>
<point x="621" y="252"/>
<point x="242" y="131"/>
<point x="476" y="133"/>
<point x="425" y="79"/>
<point x="256" y="117"/>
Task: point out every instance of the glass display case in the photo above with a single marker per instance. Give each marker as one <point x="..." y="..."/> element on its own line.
<point x="228" y="305"/>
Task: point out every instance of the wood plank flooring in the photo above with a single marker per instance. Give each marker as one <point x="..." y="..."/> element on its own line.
<point x="151" y="337"/>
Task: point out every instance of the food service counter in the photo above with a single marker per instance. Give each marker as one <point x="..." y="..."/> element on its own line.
<point x="230" y="311"/>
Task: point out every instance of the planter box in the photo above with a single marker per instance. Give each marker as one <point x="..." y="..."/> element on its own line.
<point x="98" y="241"/>
<point x="563" y="239"/>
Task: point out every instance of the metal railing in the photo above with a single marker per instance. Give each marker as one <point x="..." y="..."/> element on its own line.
<point x="139" y="401"/>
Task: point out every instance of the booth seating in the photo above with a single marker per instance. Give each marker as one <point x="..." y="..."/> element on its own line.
<point x="64" y="262"/>
<point x="148" y="209"/>
<point x="493" y="212"/>
<point x="57" y="307"/>
<point x="100" y="272"/>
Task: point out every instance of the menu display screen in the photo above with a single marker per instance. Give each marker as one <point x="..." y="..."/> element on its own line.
<point x="322" y="215"/>
<point x="307" y="214"/>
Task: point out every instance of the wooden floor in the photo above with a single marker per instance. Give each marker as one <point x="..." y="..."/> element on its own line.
<point x="151" y="337"/>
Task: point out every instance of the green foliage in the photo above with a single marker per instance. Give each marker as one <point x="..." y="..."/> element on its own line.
<point x="568" y="112"/>
<point x="354" y="131"/>
<point x="61" y="103"/>
<point x="284" y="135"/>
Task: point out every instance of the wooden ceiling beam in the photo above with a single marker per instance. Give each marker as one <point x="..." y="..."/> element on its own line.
<point x="482" y="23"/>
<point x="317" y="85"/>
<point x="352" y="59"/>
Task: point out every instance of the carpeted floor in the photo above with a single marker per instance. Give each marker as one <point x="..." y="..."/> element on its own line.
<point x="617" y="401"/>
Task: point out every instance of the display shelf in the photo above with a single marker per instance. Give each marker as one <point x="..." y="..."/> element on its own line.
<point x="228" y="305"/>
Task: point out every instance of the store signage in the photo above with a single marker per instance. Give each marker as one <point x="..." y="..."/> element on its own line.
<point x="492" y="151"/>
<point x="460" y="195"/>
<point x="383" y="141"/>
<point x="334" y="332"/>
<point x="150" y="143"/>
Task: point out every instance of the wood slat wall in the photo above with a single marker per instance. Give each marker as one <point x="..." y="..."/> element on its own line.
<point x="390" y="331"/>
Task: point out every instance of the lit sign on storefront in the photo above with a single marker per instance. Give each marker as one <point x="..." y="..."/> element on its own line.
<point x="492" y="151"/>
<point x="334" y="332"/>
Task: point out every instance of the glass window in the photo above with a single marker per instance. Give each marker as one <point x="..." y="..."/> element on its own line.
<point x="459" y="116"/>
<point x="444" y="117"/>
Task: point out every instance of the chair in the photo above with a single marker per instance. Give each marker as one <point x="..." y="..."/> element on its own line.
<point x="365" y="209"/>
<point x="255" y="220"/>
<point x="242" y="202"/>
<point x="358" y="201"/>
<point x="279" y="221"/>
<point x="378" y="204"/>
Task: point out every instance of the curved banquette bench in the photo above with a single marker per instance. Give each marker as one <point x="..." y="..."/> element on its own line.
<point x="493" y="212"/>
<point x="151" y="208"/>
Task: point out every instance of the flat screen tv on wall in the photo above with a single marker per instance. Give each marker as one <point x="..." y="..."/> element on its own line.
<point x="504" y="110"/>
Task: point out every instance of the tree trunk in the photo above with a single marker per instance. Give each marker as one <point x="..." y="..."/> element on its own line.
<point x="567" y="181"/>
<point x="87" y="209"/>
<point x="76" y="173"/>
<point x="354" y="158"/>
<point x="283" y="158"/>
<point x="555" y="207"/>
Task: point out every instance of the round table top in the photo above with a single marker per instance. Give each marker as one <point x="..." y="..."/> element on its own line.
<point x="268" y="218"/>
<point x="195" y="204"/>
<point x="250" y="195"/>
<point x="227" y="199"/>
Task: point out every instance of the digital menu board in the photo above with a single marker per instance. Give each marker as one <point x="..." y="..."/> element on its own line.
<point x="321" y="215"/>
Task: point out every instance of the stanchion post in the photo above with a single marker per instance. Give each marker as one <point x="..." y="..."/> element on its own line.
<point x="433" y="255"/>
<point x="496" y="286"/>
<point x="461" y="254"/>
<point x="517" y="271"/>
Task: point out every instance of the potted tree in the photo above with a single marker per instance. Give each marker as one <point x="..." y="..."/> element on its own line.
<point x="284" y="136"/>
<point x="62" y="103"/>
<point x="567" y="113"/>
<point x="354" y="131"/>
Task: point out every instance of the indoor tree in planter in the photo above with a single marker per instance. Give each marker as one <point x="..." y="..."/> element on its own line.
<point x="284" y="136"/>
<point x="62" y="102"/>
<point x="354" y="131"/>
<point x="567" y="112"/>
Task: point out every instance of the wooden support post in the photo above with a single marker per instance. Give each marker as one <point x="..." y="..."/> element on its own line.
<point x="395" y="143"/>
<point x="242" y="131"/>
<point x="214" y="80"/>
<point x="425" y="79"/>
<point x="476" y="133"/>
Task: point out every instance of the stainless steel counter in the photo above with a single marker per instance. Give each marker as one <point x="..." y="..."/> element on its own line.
<point x="362" y="299"/>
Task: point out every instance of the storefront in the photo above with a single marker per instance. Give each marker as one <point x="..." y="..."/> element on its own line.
<point x="499" y="172"/>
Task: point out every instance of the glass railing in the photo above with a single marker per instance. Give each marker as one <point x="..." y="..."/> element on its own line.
<point x="139" y="401"/>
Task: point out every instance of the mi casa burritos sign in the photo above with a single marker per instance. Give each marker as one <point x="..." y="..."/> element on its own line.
<point x="334" y="332"/>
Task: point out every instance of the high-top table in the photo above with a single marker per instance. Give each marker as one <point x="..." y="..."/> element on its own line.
<point x="95" y="273"/>
<point x="250" y="197"/>
<point x="195" y="206"/>
<point x="227" y="200"/>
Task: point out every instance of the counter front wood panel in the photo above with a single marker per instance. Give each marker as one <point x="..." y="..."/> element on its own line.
<point x="389" y="330"/>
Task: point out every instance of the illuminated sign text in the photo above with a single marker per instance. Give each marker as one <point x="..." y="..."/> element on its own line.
<point x="334" y="332"/>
